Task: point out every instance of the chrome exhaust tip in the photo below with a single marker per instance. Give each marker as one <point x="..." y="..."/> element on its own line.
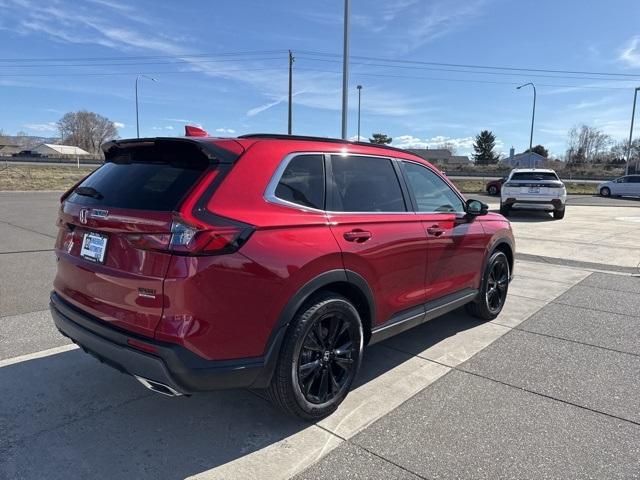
<point x="158" y="387"/>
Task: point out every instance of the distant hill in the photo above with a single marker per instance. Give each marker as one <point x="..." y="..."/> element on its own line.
<point x="26" y="140"/>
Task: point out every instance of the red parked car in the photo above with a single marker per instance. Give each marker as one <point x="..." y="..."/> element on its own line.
<point x="494" y="187"/>
<point x="266" y="261"/>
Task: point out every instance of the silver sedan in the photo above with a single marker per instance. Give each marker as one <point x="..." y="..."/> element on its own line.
<point x="627" y="186"/>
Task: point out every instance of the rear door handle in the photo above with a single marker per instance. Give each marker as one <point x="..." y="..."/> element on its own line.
<point x="358" y="236"/>
<point x="435" y="230"/>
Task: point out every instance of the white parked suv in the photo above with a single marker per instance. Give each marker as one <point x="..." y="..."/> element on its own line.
<point x="533" y="189"/>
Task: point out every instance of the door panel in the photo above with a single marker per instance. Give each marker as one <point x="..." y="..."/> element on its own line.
<point x="455" y="252"/>
<point x="455" y="242"/>
<point x="379" y="237"/>
<point x="392" y="260"/>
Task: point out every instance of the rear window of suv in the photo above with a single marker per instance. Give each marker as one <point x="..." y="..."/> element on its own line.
<point x="534" y="176"/>
<point x="143" y="179"/>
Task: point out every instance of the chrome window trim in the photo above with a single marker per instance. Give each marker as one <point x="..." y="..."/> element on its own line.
<point x="270" y="191"/>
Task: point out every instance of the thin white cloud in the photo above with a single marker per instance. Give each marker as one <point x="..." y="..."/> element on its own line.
<point x="261" y="108"/>
<point x="42" y="127"/>
<point x="225" y="130"/>
<point x="462" y="145"/>
<point x="119" y="124"/>
<point x="113" y="5"/>
<point x="167" y="127"/>
<point x="630" y="54"/>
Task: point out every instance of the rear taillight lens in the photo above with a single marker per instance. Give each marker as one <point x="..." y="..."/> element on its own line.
<point x="217" y="237"/>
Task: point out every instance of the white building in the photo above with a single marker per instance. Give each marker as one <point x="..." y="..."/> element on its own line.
<point x="52" y="150"/>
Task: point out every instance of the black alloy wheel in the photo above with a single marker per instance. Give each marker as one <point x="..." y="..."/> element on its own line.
<point x="493" y="290"/>
<point x="497" y="284"/>
<point x="319" y="358"/>
<point x="326" y="361"/>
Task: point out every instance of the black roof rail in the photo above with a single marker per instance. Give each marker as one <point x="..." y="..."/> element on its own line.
<point x="282" y="136"/>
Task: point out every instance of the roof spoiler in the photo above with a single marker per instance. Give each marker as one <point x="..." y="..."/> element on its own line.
<point x="225" y="151"/>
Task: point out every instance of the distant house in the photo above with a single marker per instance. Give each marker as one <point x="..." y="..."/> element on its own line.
<point x="6" y="150"/>
<point x="525" y="159"/>
<point x="52" y="150"/>
<point x="441" y="157"/>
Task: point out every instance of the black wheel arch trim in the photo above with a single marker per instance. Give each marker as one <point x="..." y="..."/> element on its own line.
<point x="493" y="246"/>
<point x="297" y="301"/>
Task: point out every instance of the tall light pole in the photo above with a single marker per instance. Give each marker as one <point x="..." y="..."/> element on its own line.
<point x="290" y="112"/>
<point x="345" y="69"/>
<point x="137" y="121"/>
<point x="359" y="87"/>
<point x="633" y="114"/>
<point x="533" y="114"/>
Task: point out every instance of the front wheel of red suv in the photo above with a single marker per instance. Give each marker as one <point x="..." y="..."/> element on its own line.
<point x="320" y="358"/>
<point x="493" y="291"/>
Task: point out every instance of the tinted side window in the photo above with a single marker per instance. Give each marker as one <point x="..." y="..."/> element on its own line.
<point x="302" y="182"/>
<point x="365" y="184"/>
<point x="635" y="179"/>
<point x="431" y="192"/>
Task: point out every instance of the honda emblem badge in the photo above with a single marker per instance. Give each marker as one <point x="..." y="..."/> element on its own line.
<point x="84" y="215"/>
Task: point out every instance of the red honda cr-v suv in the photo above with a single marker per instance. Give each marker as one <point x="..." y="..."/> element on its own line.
<point x="266" y="261"/>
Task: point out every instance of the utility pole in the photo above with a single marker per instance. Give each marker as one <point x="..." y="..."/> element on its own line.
<point x="345" y="69"/>
<point x="633" y="114"/>
<point x="359" y="87"/>
<point x="137" y="121"/>
<point x="291" y="60"/>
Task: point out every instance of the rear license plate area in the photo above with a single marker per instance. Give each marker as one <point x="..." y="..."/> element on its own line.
<point x="94" y="247"/>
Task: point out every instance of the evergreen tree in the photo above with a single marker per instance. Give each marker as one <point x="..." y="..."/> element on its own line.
<point x="380" y="139"/>
<point x="483" y="147"/>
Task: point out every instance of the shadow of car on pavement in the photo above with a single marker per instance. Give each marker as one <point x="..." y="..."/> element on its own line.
<point x="66" y="415"/>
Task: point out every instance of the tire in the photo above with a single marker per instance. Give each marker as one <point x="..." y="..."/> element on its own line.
<point x="315" y="370"/>
<point x="492" y="190"/>
<point x="485" y="307"/>
<point x="605" y="192"/>
<point x="504" y="210"/>
<point x="558" y="214"/>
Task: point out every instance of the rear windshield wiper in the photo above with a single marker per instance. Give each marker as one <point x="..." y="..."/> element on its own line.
<point x="88" y="192"/>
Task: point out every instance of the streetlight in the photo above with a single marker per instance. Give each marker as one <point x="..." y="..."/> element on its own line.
<point x="533" y="114"/>
<point x="359" y="87"/>
<point x="137" y="121"/>
<point x="345" y="69"/>
<point x="633" y="114"/>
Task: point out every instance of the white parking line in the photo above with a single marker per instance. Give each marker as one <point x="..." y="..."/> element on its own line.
<point x="33" y="356"/>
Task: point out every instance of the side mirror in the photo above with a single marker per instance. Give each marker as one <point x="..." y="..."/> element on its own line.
<point x="476" y="207"/>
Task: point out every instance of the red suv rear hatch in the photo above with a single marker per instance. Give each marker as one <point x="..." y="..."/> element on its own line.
<point x="115" y="227"/>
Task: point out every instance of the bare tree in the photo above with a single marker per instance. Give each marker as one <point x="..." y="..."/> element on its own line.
<point x="449" y="146"/>
<point x="589" y="143"/>
<point x="86" y="130"/>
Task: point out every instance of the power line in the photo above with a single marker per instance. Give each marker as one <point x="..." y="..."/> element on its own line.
<point x="461" y="80"/>
<point x="487" y="67"/>
<point x="173" y="62"/>
<point x="509" y="74"/>
<point x="101" y="74"/>
<point x="143" y="57"/>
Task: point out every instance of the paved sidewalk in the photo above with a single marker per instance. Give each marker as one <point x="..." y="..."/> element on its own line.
<point x="556" y="397"/>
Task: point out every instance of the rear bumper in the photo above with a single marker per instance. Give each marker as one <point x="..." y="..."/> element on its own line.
<point x="171" y="365"/>
<point x="555" y="203"/>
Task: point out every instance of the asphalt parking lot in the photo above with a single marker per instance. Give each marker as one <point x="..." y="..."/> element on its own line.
<point x="550" y="389"/>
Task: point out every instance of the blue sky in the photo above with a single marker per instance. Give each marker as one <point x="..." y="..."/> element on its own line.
<point x="419" y="105"/>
